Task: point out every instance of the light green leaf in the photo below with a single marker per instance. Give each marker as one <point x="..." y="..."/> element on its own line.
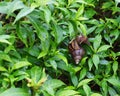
<point x="4" y="56"/>
<point x="103" y="48"/>
<point x="23" y="12"/>
<point x="90" y="63"/>
<point x="115" y="83"/>
<point x="47" y="14"/>
<point x="3" y="39"/>
<point x="83" y="73"/>
<point x="54" y="64"/>
<point x="58" y="33"/>
<point x="96" y="60"/>
<point x="115" y="67"/>
<point x="20" y="64"/>
<point x="36" y="73"/>
<point x="66" y="93"/>
<point x="3" y="68"/>
<point x="71" y="29"/>
<point x="42" y="54"/>
<point x="80" y="11"/>
<point x="83" y="28"/>
<point x="97" y="42"/>
<point x="96" y="94"/>
<point x="112" y="91"/>
<point x="51" y="85"/>
<point x="74" y="79"/>
<point x="87" y="89"/>
<point x="62" y="57"/>
<point x="104" y="87"/>
<point x="15" y="92"/>
<point x="85" y="81"/>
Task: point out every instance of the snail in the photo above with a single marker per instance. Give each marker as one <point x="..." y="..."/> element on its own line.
<point x="75" y="49"/>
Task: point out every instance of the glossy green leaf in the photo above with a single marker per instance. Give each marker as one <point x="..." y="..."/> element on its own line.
<point x="83" y="28"/>
<point x="96" y="60"/>
<point x="112" y="91"/>
<point x="51" y="85"/>
<point x="35" y="73"/>
<point x="62" y="57"/>
<point x="4" y="56"/>
<point x="90" y="63"/>
<point x="25" y="11"/>
<point x="87" y="89"/>
<point x="115" y="67"/>
<point x="10" y="7"/>
<point x="97" y="42"/>
<point x="96" y="94"/>
<point x="83" y="73"/>
<point x="54" y="64"/>
<point x="74" y="79"/>
<point x="80" y="11"/>
<point x="15" y="92"/>
<point x="3" y="68"/>
<point x="20" y="64"/>
<point x="58" y="33"/>
<point x="85" y="81"/>
<point x="66" y="93"/>
<point x="4" y="39"/>
<point x="47" y="14"/>
<point x="115" y="83"/>
<point x="105" y="87"/>
<point x="103" y="48"/>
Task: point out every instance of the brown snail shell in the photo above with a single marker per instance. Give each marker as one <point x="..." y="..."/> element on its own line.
<point x="76" y="51"/>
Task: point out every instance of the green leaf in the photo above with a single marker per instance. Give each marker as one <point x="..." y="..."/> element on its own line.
<point x="62" y="57"/>
<point x="3" y="39"/>
<point x="66" y="93"/>
<point x="87" y="89"/>
<point x="3" y="68"/>
<point x="115" y="67"/>
<point x="42" y="54"/>
<point x="107" y="5"/>
<point x="97" y="42"/>
<point x="4" y="56"/>
<point x="96" y="60"/>
<point x="96" y="94"/>
<point x="91" y="29"/>
<point x="80" y="11"/>
<point x="103" y="48"/>
<point x="71" y="29"/>
<point x="90" y="64"/>
<point x="20" y="64"/>
<point x="25" y="11"/>
<point x="54" y="64"/>
<point x="112" y="91"/>
<point x="104" y="87"/>
<point x="15" y="92"/>
<point x="117" y="2"/>
<point x="83" y="73"/>
<point x="85" y="81"/>
<point x="74" y="79"/>
<point x="51" y="85"/>
<point x="47" y="14"/>
<point x="115" y="83"/>
<point x="83" y="28"/>
<point x="58" y="33"/>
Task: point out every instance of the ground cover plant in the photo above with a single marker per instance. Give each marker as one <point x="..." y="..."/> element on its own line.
<point x="34" y="39"/>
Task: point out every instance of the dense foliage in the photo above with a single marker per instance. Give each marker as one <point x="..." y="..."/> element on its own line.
<point x="34" y="57"/>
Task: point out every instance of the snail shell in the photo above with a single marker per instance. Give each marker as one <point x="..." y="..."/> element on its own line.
<point x="76" y="51"/>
